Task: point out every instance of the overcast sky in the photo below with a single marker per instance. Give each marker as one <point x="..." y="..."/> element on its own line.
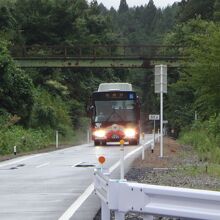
<point x="131" y="3"/>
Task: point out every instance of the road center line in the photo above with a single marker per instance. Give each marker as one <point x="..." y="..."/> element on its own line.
<point x="82" y="198"/>
<point x="43" y="165"/>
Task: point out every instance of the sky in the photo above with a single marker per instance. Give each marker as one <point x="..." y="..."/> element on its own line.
<point x="131" y="3"/>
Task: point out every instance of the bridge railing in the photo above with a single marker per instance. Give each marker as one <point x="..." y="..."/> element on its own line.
<point x="97" y="51"/>
<point x="121" y="197"/>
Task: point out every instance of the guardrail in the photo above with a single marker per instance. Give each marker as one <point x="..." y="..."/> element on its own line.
<point x="121" y="197"/>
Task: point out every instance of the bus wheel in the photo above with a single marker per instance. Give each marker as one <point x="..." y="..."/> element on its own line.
<point x="103" y="143"/>
<point x="134" y="142"/>
<point x="96" y="143"/>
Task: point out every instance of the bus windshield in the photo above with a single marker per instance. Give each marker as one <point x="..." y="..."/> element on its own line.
<point x="115" y="111"/>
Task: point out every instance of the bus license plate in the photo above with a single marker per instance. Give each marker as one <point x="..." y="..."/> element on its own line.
<point x="114" y="136"/>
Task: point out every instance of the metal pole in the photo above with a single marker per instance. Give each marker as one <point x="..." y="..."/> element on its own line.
<point x="57" y="139"/>
<point x="143" y="147"/>
<point x="154" y="135"/>
<point x="161" y="112"/>
<point x="122" y="159"/>
<point x="196" y="116"/>
<point x="15" y="150"/>
<point x="158" y="135"/>
<point x="88" y="136"/>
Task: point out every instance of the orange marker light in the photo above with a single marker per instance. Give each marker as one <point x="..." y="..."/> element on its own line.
<point x="122" y="142"/>
<point x="101" y="159"/>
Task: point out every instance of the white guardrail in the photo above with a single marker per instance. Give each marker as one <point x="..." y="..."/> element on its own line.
<point x="121" y="197"/>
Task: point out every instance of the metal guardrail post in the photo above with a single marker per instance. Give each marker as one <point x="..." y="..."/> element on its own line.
<point x="105" y="211"/>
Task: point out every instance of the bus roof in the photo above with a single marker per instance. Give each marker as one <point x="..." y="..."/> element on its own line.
<point x="106" y="87"/>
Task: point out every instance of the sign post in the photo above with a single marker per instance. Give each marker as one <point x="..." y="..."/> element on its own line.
<point x="122" y="142"/>
<point x="57" y="139"/>
<point x="161" y="87"/>
<point x="154" y="118"/>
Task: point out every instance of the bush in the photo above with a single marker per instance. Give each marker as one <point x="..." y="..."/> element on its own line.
<point x="52" y="111"/>
<point x="205" y="137"/>
<point x="25" y="139"/>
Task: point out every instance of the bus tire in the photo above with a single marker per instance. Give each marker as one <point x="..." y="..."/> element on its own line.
<point x="96" y="143"/>
<point x="103" y="143"/>
<point x="134" y="142"/>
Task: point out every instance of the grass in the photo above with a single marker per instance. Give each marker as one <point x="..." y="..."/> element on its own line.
<point x="202" y="169"/>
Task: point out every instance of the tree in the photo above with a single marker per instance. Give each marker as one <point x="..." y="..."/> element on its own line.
<point x="190" y="9"/>
<point x="217" y="10"/>
<point x="123" y="7"/>
<point x="199" y="80"/>
<point x="7" y="20"/>
<point x="16" y="88"/>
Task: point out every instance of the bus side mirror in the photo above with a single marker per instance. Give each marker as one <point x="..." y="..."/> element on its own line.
<point x="90" y="110"/>
<point x="138" y="107"/>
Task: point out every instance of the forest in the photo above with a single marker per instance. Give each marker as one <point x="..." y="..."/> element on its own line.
<point x="34" y="103"/>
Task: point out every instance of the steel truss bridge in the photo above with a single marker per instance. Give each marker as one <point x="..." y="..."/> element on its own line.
<point x="97" y="56"/>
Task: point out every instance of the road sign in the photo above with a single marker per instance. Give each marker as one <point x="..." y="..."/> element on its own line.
<point x="165" y="122"/>
<point x="154" y="117"/>
<point x="160" y="83"/>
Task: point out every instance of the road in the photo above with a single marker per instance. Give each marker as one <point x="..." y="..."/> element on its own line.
<point x="56" y="185"/>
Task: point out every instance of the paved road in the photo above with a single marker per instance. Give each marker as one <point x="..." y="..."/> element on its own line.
<point x="50" y="186"/>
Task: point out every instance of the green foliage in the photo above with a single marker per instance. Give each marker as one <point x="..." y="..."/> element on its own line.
<point x="52" y="111"/>
<point x="197" y="86"/>
<point x="49" y="99"/>
<point x="204" y="136"/>
<point x="123" y="7"/>
<point x="193" y="8"/>
<point x="217" y="11"/>
<point x="25" y="139"/>
<point x="7" y="20"/>
<point x="16" y="87"/>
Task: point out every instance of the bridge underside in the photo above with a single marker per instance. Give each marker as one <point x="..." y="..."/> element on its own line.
<point x="94" y="62"/>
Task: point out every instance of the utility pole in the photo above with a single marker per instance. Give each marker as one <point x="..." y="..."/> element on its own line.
<point x="161" y="87"/>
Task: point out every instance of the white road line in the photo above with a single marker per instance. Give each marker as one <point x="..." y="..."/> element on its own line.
<point x="43" y="165"/>
<point x="82" y="198"/>
<point x="77" y="164"/>
<point x="20" y="160"/>
<point x="73" y="208"/>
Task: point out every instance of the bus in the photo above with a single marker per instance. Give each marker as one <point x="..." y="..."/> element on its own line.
<point x="115" y="114"/>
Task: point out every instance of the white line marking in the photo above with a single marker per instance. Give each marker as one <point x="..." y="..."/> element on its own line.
<point x="43" y="165"/>
<point x="20" y="160"/>
<point x="77" y="164"/>
<point x="82" y="198"/>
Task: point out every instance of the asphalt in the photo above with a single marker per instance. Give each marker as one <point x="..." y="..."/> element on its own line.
<point x="55" y="185"/>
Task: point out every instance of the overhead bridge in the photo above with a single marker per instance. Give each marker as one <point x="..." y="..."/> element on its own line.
<point x="97" y="56"/>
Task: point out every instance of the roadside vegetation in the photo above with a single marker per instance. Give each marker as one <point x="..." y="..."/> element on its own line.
<point x="34" y="103"/>
<point x="205" y="137"/>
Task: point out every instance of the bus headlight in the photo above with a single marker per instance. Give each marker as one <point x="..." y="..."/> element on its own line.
<point x="99" y="133"/>
<point x="130" y="132"/>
